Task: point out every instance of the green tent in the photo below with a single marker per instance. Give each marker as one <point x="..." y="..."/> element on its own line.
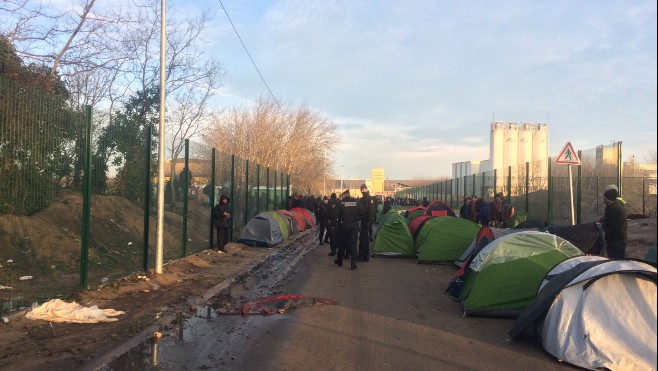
<point x="518" y="218"/>
<point x="380" y="212"/>
<point x="414" y="214"/>
<point x="504" y="277"/>
<point x="282" y="222"/>
<point x="393" y="237"/>
<point x="445" y="238"/>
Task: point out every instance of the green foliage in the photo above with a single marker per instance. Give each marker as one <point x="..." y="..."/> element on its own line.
<point x="38" y="133"/>
<point x="122" y="144"/>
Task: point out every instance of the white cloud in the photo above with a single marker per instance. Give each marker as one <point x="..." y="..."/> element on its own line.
<point x="400" y="75"/>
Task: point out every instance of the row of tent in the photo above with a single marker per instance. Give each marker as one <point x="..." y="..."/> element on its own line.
<point x="271" y="228"/>
<point x="592" y="312"/>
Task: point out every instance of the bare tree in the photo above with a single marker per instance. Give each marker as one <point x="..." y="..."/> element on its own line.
<point x="285" y="138"/>
<point x="108" y="54"/>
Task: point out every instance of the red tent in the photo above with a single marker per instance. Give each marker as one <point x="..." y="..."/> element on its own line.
<point x="297" y="218"/>
<point x="307" y="216"/>
<point x="438" y="208"/>
<point x="416" y="224"/>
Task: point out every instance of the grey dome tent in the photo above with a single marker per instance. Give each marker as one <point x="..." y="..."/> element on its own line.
<point x="263" y="230"/>
<point x="597" y="314"/>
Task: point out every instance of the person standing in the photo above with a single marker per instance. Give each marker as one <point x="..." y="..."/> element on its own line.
<point x="365" y="225"/>
<point x="472" y="210"/>
<point x="372" y="213"/>
<point x="482" y="209"/>
<point x="332" y="224"/>
<point x="496" y="212"/>
<point x="387" y="205"/>
<point x="348" y="218"/>
<point x="466" y="207"/>
<point x="614" y="223"/>
<point x="322" y="216"/>
<point x="221" y="214"/>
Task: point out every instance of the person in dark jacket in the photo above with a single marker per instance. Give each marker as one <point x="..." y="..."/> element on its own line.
<point x="482" y="209"/>
<point x="496" y="212"/>
<point x="348" y="218"/>
<point x="365" y="223"/>
<point x="614" y="223"/>
<point x="465" y="208"/>
<point x="472" y="211"/>
<point x="322" y="217"/>
<point x="387" y="205"/>
<point x="332" y="224"/>
<point x="221" y="215"/>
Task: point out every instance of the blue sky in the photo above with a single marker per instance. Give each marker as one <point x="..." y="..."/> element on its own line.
<point x="414" y="85"/>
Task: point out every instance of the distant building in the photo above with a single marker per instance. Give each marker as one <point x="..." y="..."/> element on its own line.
<point x="511" y="144"/>
<point x="377" y="181"/>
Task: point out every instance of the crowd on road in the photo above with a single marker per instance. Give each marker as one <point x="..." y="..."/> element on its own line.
<point x="345" y="222"/>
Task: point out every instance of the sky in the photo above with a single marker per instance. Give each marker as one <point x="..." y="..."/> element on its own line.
<point x="413" y="86"/>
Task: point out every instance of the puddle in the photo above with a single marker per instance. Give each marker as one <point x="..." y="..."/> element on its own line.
<point x="206" y="336"/>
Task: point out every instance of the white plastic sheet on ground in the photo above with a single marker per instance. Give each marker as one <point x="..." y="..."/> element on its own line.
<point x="57" y="310"/>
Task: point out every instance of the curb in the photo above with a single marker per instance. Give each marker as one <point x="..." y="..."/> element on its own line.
<point x="290" y="247"/>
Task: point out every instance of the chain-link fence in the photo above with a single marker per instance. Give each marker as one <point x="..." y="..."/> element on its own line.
<point x="544" y="190"/>
<point x="62" y="230"/>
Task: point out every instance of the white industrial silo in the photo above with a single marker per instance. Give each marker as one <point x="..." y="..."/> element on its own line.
<point x="497" y="145"/>
<point x="540" y="143"/>
<point x="525" y="143"/>
<point x="511" y="150"/>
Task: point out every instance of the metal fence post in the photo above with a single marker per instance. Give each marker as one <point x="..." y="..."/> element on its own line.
<point x="619" y="170"/>
<point x="527" y="186"/>
<point x="549" y="193"/>
<point x="86" y="204"/>
<point x="258" y="189"/>
<point x="230" y="229"/>
<point x="267" y="189"/>
<point x="245" y="219"/>
<point x="509" y="184"/>
<point x="579" y="191"/>
<point x="147" y="198"/>
<point x="211" y="196"/>
<point x="495" y="183"/>
<point x="275" y="202"/>
<point x="185" y="190"/>
<point x="644" y="200"/>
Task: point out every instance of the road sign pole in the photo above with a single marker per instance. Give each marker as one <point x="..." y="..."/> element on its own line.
<point x="571" y="194"/>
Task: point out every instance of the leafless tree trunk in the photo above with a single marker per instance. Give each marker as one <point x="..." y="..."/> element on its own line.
<point x="288" y="139"/>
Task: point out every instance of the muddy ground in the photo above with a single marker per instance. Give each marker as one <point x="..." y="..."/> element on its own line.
<point x="152" y="302"/>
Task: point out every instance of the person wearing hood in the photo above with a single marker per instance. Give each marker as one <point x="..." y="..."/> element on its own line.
<point x="614" y="223"/>
<point x="221" y="215"/>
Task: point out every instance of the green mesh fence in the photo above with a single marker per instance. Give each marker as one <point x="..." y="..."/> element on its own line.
<point x="41" y="143"/>
<point x="61" y="231"/>
<point x="543" y="189"/>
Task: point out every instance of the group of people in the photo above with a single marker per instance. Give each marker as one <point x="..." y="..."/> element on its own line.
<point x="346" y="224"/>
<point x="496" y="213"/>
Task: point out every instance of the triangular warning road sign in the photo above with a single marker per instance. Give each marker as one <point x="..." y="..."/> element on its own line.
<point x="568" y="156"/>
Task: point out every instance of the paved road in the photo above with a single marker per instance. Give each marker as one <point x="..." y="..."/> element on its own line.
<point x="391" y="314"/>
